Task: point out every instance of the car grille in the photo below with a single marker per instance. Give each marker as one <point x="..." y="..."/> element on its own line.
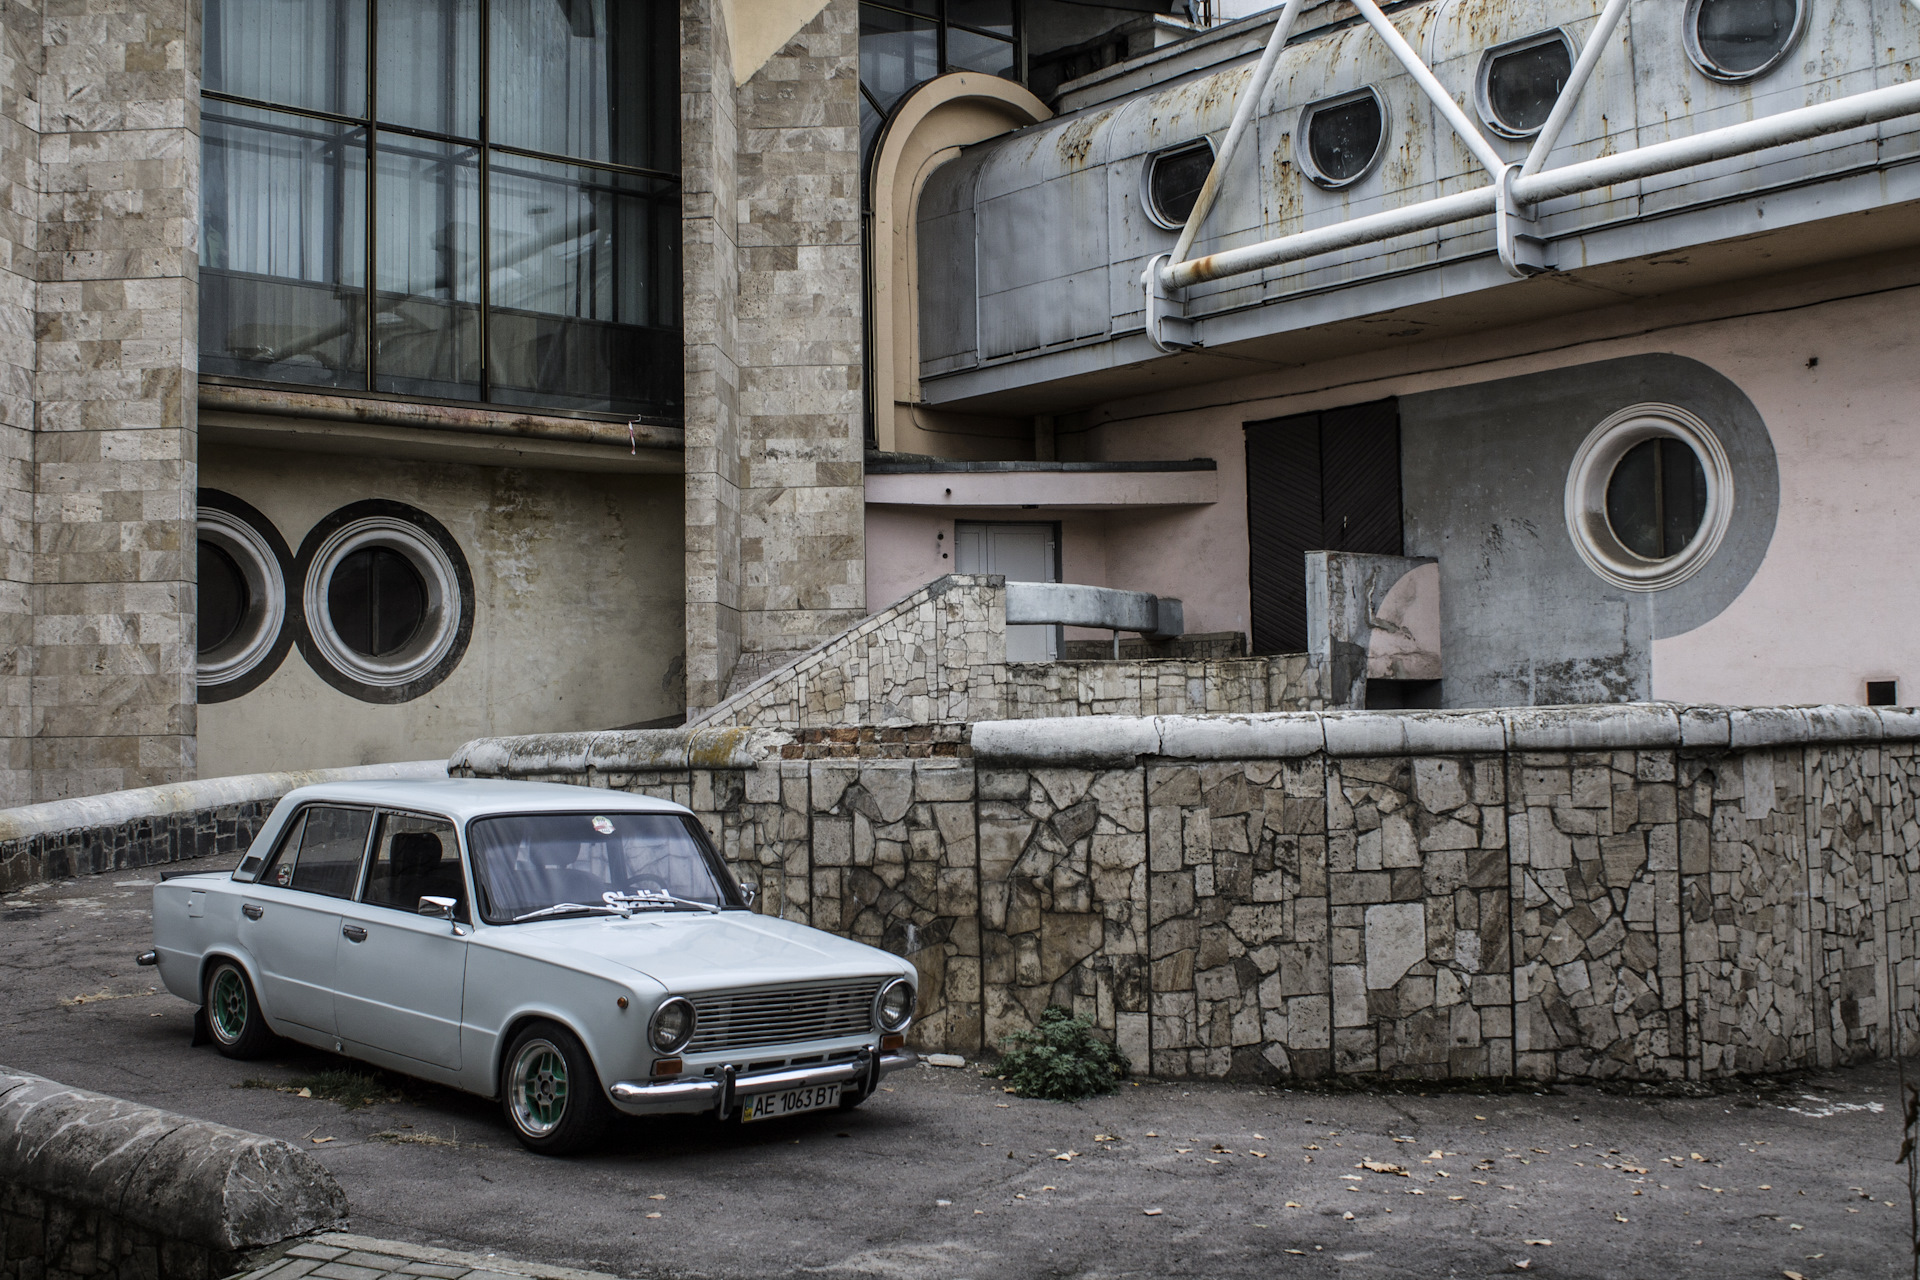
<point x="730" y="1020"/>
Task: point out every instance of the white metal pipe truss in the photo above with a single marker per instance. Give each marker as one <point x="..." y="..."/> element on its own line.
<point x="1515" y="190"/>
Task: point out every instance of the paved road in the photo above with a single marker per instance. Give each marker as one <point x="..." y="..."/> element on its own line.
<point x="947" y="1177"/>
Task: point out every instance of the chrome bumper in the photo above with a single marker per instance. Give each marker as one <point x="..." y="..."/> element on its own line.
<point x="689" y="1097"/>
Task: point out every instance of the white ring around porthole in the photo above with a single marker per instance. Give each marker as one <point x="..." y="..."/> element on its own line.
<point x="440" y="627"/>
<point x="1586" y="499"/>
<point x="253" y="641"/>
<point x="1696" y="54"/>
<point x="1303" y="144"/>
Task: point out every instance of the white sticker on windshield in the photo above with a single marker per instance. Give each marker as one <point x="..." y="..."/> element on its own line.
<point x="603" y="825"/>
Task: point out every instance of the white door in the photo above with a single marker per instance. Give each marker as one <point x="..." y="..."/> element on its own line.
<point x="1019" y="553"/>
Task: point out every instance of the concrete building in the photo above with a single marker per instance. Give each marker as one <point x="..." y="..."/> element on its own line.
<point x="382" y="374"/>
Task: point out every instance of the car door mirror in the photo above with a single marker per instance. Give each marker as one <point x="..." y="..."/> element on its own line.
<point x="749" y="891"/>
<point x="438" y="908"/>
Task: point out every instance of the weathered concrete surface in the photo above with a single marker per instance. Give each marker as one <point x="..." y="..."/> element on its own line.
<point x="207" y="1184"/>
<point x="1781" y="1175"/>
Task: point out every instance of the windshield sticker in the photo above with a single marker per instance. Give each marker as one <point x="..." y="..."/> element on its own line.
<point x="603" y="825"/>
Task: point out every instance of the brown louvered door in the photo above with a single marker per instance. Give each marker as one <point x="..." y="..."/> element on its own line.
<point x="1326" y="481"/>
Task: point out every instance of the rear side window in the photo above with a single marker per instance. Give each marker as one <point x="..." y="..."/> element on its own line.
<point x="321" y="852"/>
<point x="416" y="857"/>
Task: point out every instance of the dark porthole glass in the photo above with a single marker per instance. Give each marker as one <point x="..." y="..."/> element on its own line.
<point x="1344" y="137"/>
<point x="1523" y="84"/>
<point x="1174" y="182"/>
<point x="376" y="601"/>
<point x="224" y="598"/>
<point x="1657" y="498"/>
<point x="1742" y="37"/>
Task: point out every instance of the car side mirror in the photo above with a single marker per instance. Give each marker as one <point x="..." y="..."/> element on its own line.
<point x="749" y="891"/>
<point x="438" y="908"/>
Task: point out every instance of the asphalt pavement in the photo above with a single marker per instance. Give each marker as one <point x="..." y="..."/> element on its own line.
<point x="947" y="1177"/>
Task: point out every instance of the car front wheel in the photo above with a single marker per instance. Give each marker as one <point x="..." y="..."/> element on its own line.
<point x="551" y="1093"/>
<point x="233" y="1013"/>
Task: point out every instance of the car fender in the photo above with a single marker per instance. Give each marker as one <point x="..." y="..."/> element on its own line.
<point x="607" y="1014"/>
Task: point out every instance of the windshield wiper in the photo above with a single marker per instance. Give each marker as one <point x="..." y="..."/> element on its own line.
<point x="567" y="908"/>
<point x="625" y="903"/>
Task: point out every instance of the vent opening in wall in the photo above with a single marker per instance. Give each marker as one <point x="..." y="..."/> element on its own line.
<point x="1339" y="139"/>
<point x="1649" y="497"/>
<point x="243" y="566"/>
<point x="1742" y="39"/>
<point x="1883" y="693"/>
<point x="387" y="601"/>
<point x="1520" y="81"/>
<point x="1174" y="179"/>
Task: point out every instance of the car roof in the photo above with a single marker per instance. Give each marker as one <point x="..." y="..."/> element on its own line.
<point x="465" y="798"/>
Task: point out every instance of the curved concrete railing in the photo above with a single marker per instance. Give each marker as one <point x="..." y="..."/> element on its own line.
<point x="149" y="825"/>
<point x="1072" y="605"/>
<point x="616" y="751"/>
<point x="184" y="1180"/>
<point x="1291" y="734"/>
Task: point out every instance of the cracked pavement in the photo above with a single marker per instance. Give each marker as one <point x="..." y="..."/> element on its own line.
<point x="946" y="1176"/>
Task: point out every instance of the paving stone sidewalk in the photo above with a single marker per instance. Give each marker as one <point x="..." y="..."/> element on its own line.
<point x="338" y="1255"/>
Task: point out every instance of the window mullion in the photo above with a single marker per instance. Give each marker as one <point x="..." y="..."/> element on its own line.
<point x="485" y="252"/>
<point x="373" y="178"/>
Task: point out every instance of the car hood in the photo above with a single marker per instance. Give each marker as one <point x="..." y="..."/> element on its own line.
<point x="689" y="952"/>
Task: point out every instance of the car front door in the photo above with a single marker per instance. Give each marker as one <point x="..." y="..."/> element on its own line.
<point x="290" y="916"/>
<point x="401" y="975"/>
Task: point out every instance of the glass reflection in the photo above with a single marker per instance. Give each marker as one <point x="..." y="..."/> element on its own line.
<point x="987" y="15"/>
<point x="969" y="52"/>
<point x="1343" y="138"/>
<point x="896" y="53"/>
<point x="282" y="247"/>
<point x="588" y="79"/>
<point x="1522" y="86"/>
<point x="1741" y="36"/>
<point x="585" y="278"/>
<point x="298" y="53"/>
<point x="429" y="64"/>
<point x="427" y="268"/>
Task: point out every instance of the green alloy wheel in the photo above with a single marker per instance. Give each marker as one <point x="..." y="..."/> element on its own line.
<point x="550" y="1092"/>
<point x="233" y="1013"/>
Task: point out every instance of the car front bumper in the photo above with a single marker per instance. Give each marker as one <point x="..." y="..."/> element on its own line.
<point x="719" y="1094"/>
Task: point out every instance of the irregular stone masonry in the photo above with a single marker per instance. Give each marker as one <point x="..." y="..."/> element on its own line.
<point x="166" y="837"/>
<point x="1634" y="892"/>
<point x="939" y="655"/>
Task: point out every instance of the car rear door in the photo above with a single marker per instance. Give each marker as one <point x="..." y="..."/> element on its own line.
<point x="290" y="916"/>
<point x="401" y="975"/>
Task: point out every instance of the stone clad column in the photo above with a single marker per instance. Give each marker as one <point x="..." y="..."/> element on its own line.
<point x="114" y="450"/>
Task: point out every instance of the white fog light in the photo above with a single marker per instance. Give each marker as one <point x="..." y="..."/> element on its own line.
<point x="893" y="1009"/>
<point x="671" y="1027"/>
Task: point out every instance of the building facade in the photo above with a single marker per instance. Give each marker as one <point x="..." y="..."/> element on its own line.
<point x="383" y="374"/>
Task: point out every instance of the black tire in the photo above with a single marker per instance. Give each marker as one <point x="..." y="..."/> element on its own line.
<point x="551" y="1093"/>
<point x="232" y="1012"/>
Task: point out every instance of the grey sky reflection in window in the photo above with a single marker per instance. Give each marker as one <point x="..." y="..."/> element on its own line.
<point x="1343" y="138"/>
<point x="1742" y="37"/>
<point x="1523" y="84"/>
<point x="1657" y="498"/>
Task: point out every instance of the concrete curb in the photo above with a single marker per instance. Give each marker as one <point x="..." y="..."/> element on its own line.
<point x="184" y="1179"/>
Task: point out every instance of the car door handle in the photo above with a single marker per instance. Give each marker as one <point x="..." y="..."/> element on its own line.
<point x="353" y="933"/>
<point x="252" y="912"/>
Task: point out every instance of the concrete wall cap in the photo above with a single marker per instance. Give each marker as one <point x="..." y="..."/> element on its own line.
<point x="184" y="1179"/>
<point x="1278" y="736"/>
<point x="1399" y="733"/>
<point x="1622" y="727"/>
<point x="121" y="807"/>
<point x="1899" y="724"/>
<point x="1067" y="740"/>
<point x="1767" y="727"/>
<point x="618" y="751"/>
<point x="1705" y="727"/>
<point x="1843" y="724"/>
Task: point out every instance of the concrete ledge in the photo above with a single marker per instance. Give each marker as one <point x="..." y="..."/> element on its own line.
<point x="120" y="807"/>
<point x="218" y="1188"/>
<point x="1070" y="740"/>
<point x="617" y="751"/>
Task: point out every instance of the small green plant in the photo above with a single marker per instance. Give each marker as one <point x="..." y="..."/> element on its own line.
<point x="1061" y="1059"/>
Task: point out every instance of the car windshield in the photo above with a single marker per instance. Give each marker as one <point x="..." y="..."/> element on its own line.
<point x="535" y="862"/>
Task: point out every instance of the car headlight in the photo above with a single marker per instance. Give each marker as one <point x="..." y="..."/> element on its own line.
<point x="671" y="1026"/>
<point x="893" y="1007"/>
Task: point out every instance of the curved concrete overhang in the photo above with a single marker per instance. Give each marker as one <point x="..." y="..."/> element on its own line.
<point x="1051" y="317"/>
<point x="927" y="129"/>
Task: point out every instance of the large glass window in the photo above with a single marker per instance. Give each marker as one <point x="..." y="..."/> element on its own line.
<point x="455" y="199"/>
<point x="906" y="42"/>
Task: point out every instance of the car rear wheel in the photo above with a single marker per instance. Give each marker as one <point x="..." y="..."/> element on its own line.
<point x="551" y="1093"/>
<point x="233" y="1013"/>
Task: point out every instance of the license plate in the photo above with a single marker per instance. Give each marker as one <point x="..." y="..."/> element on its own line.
<point x="767" y="1106"/>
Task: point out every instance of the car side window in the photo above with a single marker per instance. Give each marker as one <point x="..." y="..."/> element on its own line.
<point x="279" y="868"/>
<point x="332" y="843"/>
<point x="416" y="857"/>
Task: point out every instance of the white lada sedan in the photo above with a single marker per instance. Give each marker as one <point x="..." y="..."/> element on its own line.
<point x="569" y="950"/>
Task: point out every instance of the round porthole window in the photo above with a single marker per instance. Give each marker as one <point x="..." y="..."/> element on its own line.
<point x="242" y="598"/>
<point x="1174" y="179"/>
<point x="1741" y="39"/>
<point x="1649" y="496"/>
<point x="387" y="600"/>
<point x="1520" y="81"/>
<point x="1340" y="139"/>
